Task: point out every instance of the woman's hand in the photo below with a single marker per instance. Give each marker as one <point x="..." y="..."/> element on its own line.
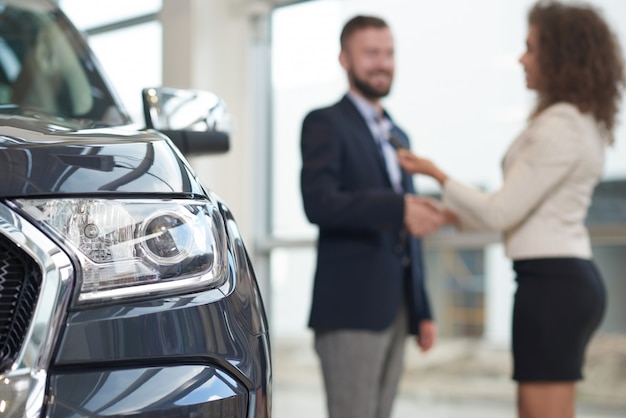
<point x="413" y="164"/>
<point x="449" y="217"/>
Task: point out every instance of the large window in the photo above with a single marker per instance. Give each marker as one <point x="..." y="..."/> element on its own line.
<point x="127" y="40"/>
<point x="459" y="93"/>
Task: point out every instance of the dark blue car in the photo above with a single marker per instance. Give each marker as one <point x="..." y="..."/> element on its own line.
<point x="125" y="285"/>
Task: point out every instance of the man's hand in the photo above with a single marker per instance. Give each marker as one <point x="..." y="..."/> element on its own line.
<point x="427" y="335"/>
<point x="449" y="217"/>
<point x="421" y="217"/>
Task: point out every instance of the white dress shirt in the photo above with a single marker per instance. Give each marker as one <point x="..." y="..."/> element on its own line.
<point x="380" y="126"/>
<point x="550" y="172"/>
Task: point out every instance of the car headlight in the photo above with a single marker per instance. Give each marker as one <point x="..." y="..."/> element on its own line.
<point x="132" y="248"/>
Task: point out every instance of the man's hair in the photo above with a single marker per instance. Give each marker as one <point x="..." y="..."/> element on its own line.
<point x="580" y="60"/>
<point x="358" y="23"/>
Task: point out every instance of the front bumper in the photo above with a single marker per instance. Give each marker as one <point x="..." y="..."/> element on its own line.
<point x="176" y="391"/>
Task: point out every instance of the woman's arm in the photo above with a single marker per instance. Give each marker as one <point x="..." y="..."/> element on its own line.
<point x="552" y="149"/>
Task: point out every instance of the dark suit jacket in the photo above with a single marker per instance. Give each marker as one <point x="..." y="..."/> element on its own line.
<point x="360" y="279"/>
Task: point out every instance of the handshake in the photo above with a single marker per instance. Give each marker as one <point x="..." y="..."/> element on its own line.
<point x="425" y="215"/>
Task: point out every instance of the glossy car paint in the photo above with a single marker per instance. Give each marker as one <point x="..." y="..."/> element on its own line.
<point x="41" y="158"/>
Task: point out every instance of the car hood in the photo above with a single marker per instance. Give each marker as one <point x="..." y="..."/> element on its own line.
<point x="43" y="157"/>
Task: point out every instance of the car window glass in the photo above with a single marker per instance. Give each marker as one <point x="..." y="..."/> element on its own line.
<point x="45" y="68"/>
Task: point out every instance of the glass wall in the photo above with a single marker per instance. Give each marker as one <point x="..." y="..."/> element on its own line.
<point x="460" y="94"/>
<point x="127" y="40"/>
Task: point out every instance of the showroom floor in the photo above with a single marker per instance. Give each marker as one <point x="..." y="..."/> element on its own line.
<point x="459" y="378"/>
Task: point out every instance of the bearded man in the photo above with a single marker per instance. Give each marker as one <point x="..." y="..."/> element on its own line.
<point x="369" y="290"/>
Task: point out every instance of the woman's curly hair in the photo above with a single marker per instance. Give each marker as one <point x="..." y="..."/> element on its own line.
<point x="580" y="60"/>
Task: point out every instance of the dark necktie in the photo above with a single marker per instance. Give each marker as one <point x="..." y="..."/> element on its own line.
<point x="389" y="154"/>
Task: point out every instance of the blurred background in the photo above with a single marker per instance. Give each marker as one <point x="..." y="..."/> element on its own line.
<point x="460" y="94"/>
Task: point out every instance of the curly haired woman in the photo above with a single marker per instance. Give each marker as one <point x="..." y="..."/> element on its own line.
<point x="573" y="62"/>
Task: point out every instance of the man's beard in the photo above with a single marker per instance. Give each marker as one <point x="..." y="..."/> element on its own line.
<point x="366" y="89"/>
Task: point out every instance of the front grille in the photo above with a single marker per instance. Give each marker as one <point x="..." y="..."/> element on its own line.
<point x="20" y="282"/>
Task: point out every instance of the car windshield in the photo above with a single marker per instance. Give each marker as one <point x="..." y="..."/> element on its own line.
<point x="47" y="71"/>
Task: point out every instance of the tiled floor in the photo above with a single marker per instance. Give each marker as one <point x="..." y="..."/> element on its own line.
<point x="458" y="379"/>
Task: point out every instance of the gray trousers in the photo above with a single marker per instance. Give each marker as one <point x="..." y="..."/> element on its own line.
<point x="362" y="369"/>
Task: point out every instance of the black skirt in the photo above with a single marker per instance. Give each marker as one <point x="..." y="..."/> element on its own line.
<point x="559" y="303"/>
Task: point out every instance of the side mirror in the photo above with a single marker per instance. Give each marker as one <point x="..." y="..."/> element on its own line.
<point x="196" y="121"/>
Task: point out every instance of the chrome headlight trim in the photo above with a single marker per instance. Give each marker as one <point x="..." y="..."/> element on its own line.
<point x="22" y="388"/>
<point x="136" y="248"/>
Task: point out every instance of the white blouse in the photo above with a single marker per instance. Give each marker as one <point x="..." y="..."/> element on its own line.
<point x="550" y="172"/>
